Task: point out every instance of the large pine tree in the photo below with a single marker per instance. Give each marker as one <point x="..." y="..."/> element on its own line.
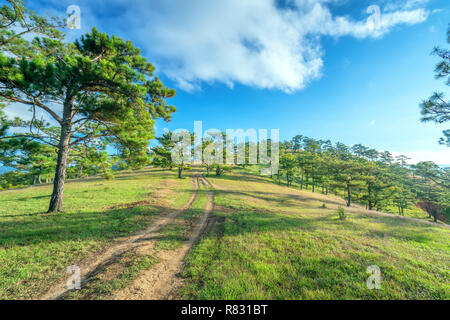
<point x="100" y="87"/>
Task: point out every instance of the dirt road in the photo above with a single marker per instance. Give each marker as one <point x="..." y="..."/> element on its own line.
<point x="94" y="265"/>
<point x="163" y="279"/>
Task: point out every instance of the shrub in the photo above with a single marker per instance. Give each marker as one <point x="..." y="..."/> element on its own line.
<point x="341" y="213"/>
<point x="109" y="176"/>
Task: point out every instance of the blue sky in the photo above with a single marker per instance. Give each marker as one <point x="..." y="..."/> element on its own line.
<point x="301" y="66"/>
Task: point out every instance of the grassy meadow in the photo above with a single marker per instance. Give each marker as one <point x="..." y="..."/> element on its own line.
<point x="275" y="242"/>
<point x="84" y="102"/>
<point x="268" y="241"/>
<point x="36" y="248"/>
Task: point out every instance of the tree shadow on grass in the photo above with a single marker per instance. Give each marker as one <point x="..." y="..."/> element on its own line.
<point x="112" y="222"/>
<point x="282" y="199"/>
<point x="84" y="226"/>
<point x="251" y="218"/>
<point x="47" y="196"/>
<point x="242" y="178"/>
<point x="397" y="228"/>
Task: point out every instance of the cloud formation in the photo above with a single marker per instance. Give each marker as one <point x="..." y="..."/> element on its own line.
<point x="440" y="157"/>
<point x="269" y="44"/>
<point x="252" y="42"/>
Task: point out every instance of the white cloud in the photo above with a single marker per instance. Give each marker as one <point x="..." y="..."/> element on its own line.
<point x="257" y="43"/>
<point x="440" y="157"/>
<point x="251" y="42"/>
<point x="392" y="5"/>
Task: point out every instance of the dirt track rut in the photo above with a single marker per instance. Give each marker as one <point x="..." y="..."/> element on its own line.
<point x="163" y="279"/>
<point x="91" y="267"/>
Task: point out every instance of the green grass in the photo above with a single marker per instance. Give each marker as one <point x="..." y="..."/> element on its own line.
<point x="172" y="237"/>
<point x="411" y="211"/>
<point x="36" y="248"/>
<point x="280" y="243"/>
<point x="175" y="234"/>
<point x="270" y="241"/>
<point x="115" y="276"/>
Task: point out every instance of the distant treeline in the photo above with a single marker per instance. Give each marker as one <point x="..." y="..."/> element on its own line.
<point x="35" y="163"/>
<point x="361" y="174"/>
<point x="366" y="176"/>
<point x="378" y="180"/>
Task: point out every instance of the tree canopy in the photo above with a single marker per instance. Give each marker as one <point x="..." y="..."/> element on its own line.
<point x="98" y="88"/>
<point x="437" y="108"/>
<point x="365" y="176"/>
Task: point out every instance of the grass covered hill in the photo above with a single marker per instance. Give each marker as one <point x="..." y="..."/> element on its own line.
<point x="261" y="241"/>
<point x="36" y="248"/>
<point x="276" y="242"/>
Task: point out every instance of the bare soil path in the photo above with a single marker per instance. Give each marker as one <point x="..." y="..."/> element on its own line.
<point x="163" y="279"/>
<point x="93" y="265"/>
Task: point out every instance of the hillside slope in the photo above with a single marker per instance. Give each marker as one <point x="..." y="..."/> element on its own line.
<point x="261" y="241"/>
<point x="37" y="248"/>
<point x="276" y="242"/>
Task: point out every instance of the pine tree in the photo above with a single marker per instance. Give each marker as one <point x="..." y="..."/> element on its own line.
<point x="101" y="82"/>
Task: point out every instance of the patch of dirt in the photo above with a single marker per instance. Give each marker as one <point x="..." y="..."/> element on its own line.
<point x="164" y="279"/>
<point x="97" y="285"/>
<point x="158" y="197"/>
<point x="94" y="264"/>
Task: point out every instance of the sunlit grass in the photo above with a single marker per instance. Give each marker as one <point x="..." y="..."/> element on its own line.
<point x="175" y="234"/>
<point x="113" y="277"/>
<point x="36" y="248"/>
<point x="279" y="243"/>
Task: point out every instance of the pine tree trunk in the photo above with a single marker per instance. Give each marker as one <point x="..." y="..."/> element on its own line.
<point x="218" y="171"/>
<point x="349" y="198"/>
<point x="60" y="174"/>
<point x="80" y="172"/>
<point x="63" y="157"/>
